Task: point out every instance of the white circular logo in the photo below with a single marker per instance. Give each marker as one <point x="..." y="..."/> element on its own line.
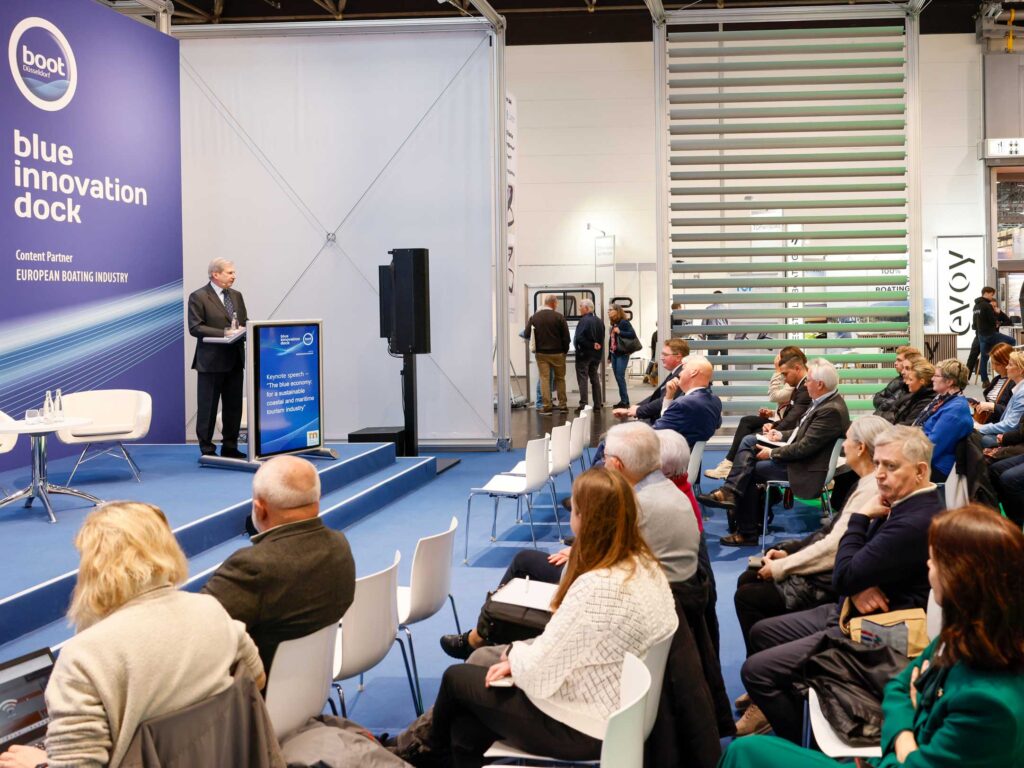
<point x="43" y="64"/>
<point x="307" y="339"/>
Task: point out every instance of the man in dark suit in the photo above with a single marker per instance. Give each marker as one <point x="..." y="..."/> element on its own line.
<point x="672" y="354"/>
<point x="803" y="459"/>
<point x="298" y="576"/>
<point x="588" y="342"/>
<point x="212" y="311"/>
<point x="689" y="406"/>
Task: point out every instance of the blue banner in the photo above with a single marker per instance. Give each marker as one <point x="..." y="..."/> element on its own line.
<point x="286" y="371"/>
<point x="90" y="210"/>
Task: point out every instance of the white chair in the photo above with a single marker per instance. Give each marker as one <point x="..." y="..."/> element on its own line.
<point x="576" y="440"/>
<point x="624" y="736"/>
<point x="369" y="629"/>
<point x="559" y="458"/>
<point x="955" y="490"/>
<point x="300" y="680"/>
<point x="693" y="468"/>
<point x="588" y="414"/>
<point x="517" y="487"/>
<point x="7" y="443"/>
<point x="430" y="585"/>
<point x="116" y="415"/>
<point x="934" y="616"/>
<point x="826" y="504"/>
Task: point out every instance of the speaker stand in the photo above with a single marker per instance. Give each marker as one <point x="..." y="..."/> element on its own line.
<point x="409" y="403"/>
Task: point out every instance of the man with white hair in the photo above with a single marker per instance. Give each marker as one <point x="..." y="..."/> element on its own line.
<point x="298" y="576"/>
<point x="588" y="342"/>
<point x="801" y="457"/>
<point x="213" y="311"/>
<point x="551" y="344"/>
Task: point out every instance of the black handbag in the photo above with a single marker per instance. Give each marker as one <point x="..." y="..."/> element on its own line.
<point x="505" y="623"/>
<point x="628" y="346"/>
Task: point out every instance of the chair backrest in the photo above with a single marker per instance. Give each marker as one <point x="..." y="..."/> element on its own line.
<point x="536" y="463"/>
<point x="370" y="624"/>
<point x="576" y="436"/>
<point x="955" y="490"/>
<point x="560" y="437"/>
<point x="623" y="745"/>
<point x="696" y="459"/>
<point x="933" y="621"/>
<point x="655" y="661"/>
<point x="431" y="577"/>
<point x="7" y="442"/>
<point x="833" y="461"/>
<point x="300" y="679"/>
<point x="115" y="407"/>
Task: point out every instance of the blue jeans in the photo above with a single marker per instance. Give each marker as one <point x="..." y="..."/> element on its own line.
<point x="746" y="471"/>
<point x="985" y="344"/>
<point x="619" y="365"/>
<point x="551" y="378"/>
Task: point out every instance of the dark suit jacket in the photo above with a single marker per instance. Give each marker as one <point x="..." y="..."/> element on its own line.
<point x="649" y="409"/>
<point x="808" y="455"/>
<point x="589" y="331"/>
<point x="208" y="317"/>
<point x="799" y="402"/>
<point x="293" y="580"/>
<point x="695" y="415"/>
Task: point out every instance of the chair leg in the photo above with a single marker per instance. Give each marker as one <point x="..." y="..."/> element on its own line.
<point x="415" y="673"/>
<point x="554" y="508"/>
<point x="519" y="510"/>
<point x="408" y="672"/>
<point x="572" y="476"/>
<point x="341" y="698"/>
<point x="826" y="502"/>
<point x="469" y="503"/>
<point x="332" y="705"/>
<point x="80" y="457"/>
<point x="807" y="724"/>
<point x="455" y="612"/>
<point x="529" y="512"/>
<point x="494" y="521"/>
<point x="131" y="462"/>
<point x="764" y="528"/>
<point x="361" y="687"/>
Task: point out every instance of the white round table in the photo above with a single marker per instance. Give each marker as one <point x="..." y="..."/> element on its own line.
<point x="41" y="487"/>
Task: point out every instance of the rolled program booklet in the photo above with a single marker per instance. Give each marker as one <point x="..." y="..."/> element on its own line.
<point x="763" y="440"/>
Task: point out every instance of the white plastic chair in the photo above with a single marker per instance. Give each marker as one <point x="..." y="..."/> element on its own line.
<point x="116" y="415"/>
<point x="693" y="468"/>
<point x="559" y="458"/>
<point x="576" y="439"/>
<point x="430" y="585"/>
<point x="369" y="629"/>
<point x="624" y="736"/>
<point x="933" y="621"/>
<point x="826" y="504"/>
<point x="587" y="414"/>
<point x="518" y="487"/>
<point x="7" y="443"/>
<point x="300" y="680"/>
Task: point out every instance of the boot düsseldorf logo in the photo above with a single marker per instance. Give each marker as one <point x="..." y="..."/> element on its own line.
<point x="43" y="64"/>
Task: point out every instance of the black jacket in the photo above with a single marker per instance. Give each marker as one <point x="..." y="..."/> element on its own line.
<point x="649" y="409"/>
<point x="907" y="407"/>
<point x="208" y="317"/>
<point x="552" y="332"/>
<point x="799" y="402"/>
<point x="986" y="319"/>
<point x="589" y="331"/>
<point x="884" y="399"/>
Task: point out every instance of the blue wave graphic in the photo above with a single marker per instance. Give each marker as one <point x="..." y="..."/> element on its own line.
<point x="50" y="90"/>
<point x="288" y="441"/>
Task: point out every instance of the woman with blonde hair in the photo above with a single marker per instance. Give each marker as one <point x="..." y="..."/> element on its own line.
<point x="917" y="376"/>
<point x="614" y="599"/>
<point x="142" y="648"/>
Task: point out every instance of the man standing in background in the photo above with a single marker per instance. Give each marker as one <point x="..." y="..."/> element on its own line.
<point x="588" y="343"/>
<point x="551" y="345"/>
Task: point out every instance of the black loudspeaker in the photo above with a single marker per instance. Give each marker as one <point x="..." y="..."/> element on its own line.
<point x="410" y="301"/>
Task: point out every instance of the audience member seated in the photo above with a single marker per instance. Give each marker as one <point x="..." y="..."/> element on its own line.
<point x="1007" y="472"/>
<point x="649" y="409"/>
<point x="788" y="388"/>
<point x="667" y="524"/>
<point x="1000" y="388"/>
<point x="142" y="648"/>
<point x="960" y="703"/>
<point x="947" y="419"/>
<point x="613" y="600"/>
<point x="886" y="397"/>
<point x="689" y="406"/>
<point x="992" y="431"/>
<point x="802" y="458"/>
<point x="797" y="575"/>
<point x="917" y="375"/>
<point x="880" y="566"/>
<point x="298" y="576"/>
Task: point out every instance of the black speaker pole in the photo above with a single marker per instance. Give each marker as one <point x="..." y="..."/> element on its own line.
<point x="409" y="403"/>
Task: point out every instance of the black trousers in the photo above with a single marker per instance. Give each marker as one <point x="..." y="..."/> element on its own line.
<point x="587" y="372"/>
<point x="224" y="389"/>
<point x="527" y="563"/>
<point x="755" y="600"/>
<point x="469" y="717"/>
<point x="749" y="425"/>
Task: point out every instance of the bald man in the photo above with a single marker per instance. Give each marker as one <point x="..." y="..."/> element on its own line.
<point x="697" y="413"/>
<point x="298" y="576"/>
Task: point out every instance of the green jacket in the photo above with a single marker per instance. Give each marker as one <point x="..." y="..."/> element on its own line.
<point x="964" y="717"/>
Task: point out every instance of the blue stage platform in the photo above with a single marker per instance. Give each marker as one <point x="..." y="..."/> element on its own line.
<point x="206" y="508"/>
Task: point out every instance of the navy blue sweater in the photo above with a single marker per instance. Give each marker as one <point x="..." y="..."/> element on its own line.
<point x="890" y="553"/>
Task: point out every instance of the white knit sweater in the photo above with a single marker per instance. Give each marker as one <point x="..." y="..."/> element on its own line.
<point x="571" y="671"/>
<point x="158" y="653"/>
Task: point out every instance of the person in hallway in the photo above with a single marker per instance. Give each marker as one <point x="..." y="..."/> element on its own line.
<point x="299" y="575"/>
<point x="551" y="344"/>
<point x="142" y="647"/>
<point x="986" y="322"/>
<point x="673" y="352"/>
<point x="213" y="311"/>
<point x="689" y="406"/>
<point x="960" y="703"/>
<point x="589" y="345"/>
<point x="621" y="330"/>
<point x="722" y="321"/>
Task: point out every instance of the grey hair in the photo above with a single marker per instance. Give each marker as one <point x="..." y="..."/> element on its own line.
<point x="866" y="430"/>
<point x="636" y="445"/>
<point x="286" y="482"/>
<point x="675" y="453"/>
<point x="823" y="372"/>
<point x="913" y="442"/>
<point x="550" y="299"/>
<point x="218" y="265"/>
<point x="587" y="304"/>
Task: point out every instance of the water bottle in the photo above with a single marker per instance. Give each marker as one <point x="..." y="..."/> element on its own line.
<point x="234" y="321"/>
<point x="58" y="407"/>
<point x="48" y="407"/>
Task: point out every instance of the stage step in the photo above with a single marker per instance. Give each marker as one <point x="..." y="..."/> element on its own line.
<point x="351" y="490"/>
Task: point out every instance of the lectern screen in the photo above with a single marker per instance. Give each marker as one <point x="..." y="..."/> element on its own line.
<point x="288" y="412"/>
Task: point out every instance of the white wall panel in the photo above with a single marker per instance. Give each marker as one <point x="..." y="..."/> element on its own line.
<point x="383" y="141"/>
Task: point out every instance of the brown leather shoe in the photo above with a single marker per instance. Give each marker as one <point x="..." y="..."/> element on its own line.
<point x="753" y="721"/>
<point x="738" y="540"/>
<point x="722" y="497"/>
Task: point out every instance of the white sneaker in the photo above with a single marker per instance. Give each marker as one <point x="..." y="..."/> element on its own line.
<point x="720" y="472"/>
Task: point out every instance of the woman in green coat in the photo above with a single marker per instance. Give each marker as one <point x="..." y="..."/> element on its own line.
<point x="961" y="702"/>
